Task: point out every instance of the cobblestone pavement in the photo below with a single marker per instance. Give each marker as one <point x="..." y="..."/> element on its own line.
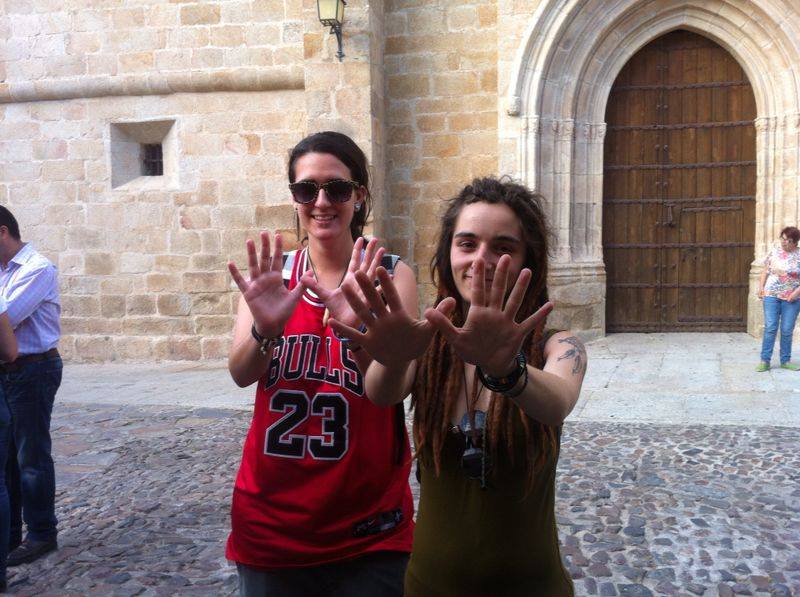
<point x="644" y="509"/>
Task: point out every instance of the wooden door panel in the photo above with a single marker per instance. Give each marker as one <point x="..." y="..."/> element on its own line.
<point x="679" y="186"/>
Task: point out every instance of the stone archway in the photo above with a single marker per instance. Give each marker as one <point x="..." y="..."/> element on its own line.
<point x="554" y="125"/>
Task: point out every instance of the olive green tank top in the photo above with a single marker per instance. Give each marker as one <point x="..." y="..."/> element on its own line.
<point x="497" y="541"/>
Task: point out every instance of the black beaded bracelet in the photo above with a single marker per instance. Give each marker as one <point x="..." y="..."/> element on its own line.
<point x="264" y="343"/>
<point x="502" y="385"/>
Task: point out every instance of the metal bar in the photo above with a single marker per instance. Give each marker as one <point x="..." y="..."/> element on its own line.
<point x="700" y="318"/>
<point x="676" y="285"/>
<point x="678" y="127"/>
<point x="706" y="85"/>
<point x="680" y="200"/>
<point x="675" y="245"/>
<point x="697" y="209"/>
<point x="695" y="166"/>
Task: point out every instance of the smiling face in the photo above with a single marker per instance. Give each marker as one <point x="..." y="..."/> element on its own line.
<point x="487" y="231"/>
<point x="323" y="219"/>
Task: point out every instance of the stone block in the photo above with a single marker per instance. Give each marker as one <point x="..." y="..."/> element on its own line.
<point x="135" y="263"/>
<point x="177" y="349"/>
<point x="157" y="326"/>
<point x="100" y="264"/>
<point x="94" y="348"/>
<point x="65" y="214"/>
<point x="81" y="285"/>
<point x="63" y="170"/>
<point x="70" y="264"/>
<point x="163" y="282"/>
<point x="441" y="146"/>
<point x="184" y="242"/>
<point x="215" y="348"/>
<point x="133" y="348"/>
<point x="112" y="306"/>
<point x="205" y="282"/>
<point x="213" y="324"/>
<point x="140" y="304"/>
<point x="209" y="263"/>
<point x="174" y="304"/>
<point x="120" y="284"/>
<point x="200" y="14"/>
<point x="73" y="305"/>
<point x="408" y="86"/>
<point x="210" y="303"/>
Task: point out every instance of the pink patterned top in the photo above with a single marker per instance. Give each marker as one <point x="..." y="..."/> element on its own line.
<point x="783" y="273"/>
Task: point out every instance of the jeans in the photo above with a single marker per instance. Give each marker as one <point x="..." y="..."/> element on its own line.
<point x="30" y="476"/>
<point x="5" y="430"/>
<point x="378" y="574"/>
<point x="777" y="311"/>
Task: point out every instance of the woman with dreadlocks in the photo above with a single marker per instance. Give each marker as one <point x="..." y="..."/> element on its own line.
<point x="490" y="390"/>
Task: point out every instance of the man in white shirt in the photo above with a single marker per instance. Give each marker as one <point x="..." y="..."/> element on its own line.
<point x="29" y="285"/>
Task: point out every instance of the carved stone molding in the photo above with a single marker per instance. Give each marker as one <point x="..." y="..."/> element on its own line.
<point x="240" y="79"/>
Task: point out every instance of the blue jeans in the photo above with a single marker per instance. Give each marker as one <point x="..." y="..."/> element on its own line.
<point x="778" y="312"/>
<point x="30" y="476"/>
<point x="377" y="574"/>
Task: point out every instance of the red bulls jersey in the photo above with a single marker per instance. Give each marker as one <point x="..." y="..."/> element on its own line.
<point x="324" y="473"/>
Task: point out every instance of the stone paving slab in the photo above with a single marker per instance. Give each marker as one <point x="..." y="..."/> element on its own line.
<point x="643" y="509"/>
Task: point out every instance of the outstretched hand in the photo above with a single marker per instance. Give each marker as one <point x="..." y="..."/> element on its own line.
<point x="490" y="338"/>
<point x="335" y="300"/>
<point x="392" y="336"/>
<point x="270" y="302"/>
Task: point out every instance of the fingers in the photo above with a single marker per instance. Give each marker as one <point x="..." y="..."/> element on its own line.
<point x="389" y="290"/>
<point x="499" y="283"/>
<point x="345" y="331"/>
<point x="264" y="263"/>
<point x="309" y="281"/>
<point x="277" y="258"/>
<point x="371" y="294"/>
<point x="358" y="306"/>
<point x="355" y="258"/>
<point x="441" y="322"/>
<point x="252" y="260"/>
<point x="478" y="286"/>
<point x="517" y="293"/>
<point x="237" y="277"/>
<point x="529" y="324"/>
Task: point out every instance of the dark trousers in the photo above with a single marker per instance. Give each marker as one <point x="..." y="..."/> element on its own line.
<point x="5" y="432"/>
<point x="378" y="574"/>
<point x="30" y="476"/>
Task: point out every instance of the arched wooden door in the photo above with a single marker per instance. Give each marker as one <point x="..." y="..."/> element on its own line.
<point x="679" y="189"/>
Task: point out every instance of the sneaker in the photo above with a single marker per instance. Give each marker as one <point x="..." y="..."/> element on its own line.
<point x="28" y="551"/>
<point x="790" y="366"/>
<point x="762" y="366"/>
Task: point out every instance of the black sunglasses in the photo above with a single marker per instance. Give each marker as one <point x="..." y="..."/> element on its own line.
<point x="338" y="190"/>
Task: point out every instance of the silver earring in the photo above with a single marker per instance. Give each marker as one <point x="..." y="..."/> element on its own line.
<point x="358" y="207"/>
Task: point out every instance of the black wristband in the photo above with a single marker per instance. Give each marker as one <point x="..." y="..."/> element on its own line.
<point x="502" y="385"/>
<point x="264" y="343"/>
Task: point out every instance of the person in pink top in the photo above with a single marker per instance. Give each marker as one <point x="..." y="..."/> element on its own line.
<point x="779" y="289"/>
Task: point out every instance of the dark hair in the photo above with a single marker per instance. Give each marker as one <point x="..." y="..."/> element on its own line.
<point x="791" y="232"/>
<point x="438" y="385"/>
<point x="346" y="151"/>
<point x="8" y="220"/>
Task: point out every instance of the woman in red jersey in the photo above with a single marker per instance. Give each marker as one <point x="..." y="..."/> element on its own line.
<point x="490" y="390"/>
<point x="321" y="504"/>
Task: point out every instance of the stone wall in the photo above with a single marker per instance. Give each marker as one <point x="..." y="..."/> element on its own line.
<point x="142" y="264"/>
<point x="441" y="71"/>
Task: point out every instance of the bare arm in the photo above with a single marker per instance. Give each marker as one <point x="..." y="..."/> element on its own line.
<point x="8" y="342"/>
<point x="266" y="302"/>
<point x="245" y="361"/>
<point x="551" y="393"/>
<point x="762" y="280"/>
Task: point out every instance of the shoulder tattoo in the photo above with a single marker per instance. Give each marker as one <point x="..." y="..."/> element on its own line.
<point x="576" y="352"/>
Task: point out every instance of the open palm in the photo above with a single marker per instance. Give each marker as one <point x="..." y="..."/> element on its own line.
<point x="392" y="337"/>
<point x="270" y="302"/>
<point x="490" y="337"/>
<point x="366" y="261"/>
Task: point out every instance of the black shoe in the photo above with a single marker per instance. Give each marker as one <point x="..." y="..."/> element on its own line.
<point x="29" y="550"/>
